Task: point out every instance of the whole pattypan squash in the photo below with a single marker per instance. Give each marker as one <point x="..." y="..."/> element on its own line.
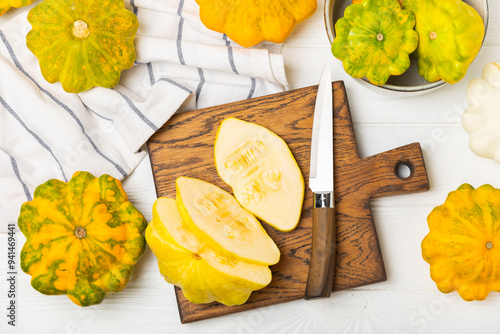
<point x="83" y="238"/>
<point x="202" y="272"/>
<point x="248" y="22"/>
<point x="82" y="44"/>
<point x="5" y="5"/>
<point x="374" y="40"/>
<point x="450" y="36"/>
<point x="482" y="118"/>
<point x="463" y="244"/>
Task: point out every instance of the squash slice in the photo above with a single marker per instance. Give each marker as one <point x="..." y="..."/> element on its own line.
<point x="217" y="218"/>
<point x="262" y="172"/>
<point x="203" y="273"/>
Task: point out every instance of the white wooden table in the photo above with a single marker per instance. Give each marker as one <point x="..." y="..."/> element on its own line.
<point x="408" y="302"/>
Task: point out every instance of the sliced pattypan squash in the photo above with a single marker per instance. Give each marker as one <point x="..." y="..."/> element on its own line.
<point x="463" y="244"/>
<point x="450" y="36"/>
<point x="215" y="216"/>
<point x="82" y="44"/>
<point x="374" y="40"/>
<point x="5" y="5"/>
<point x="262" y="172"/>
<point x="248" y="22"/>
<point x="482" y="118"/>
<point x="83" y="238"/>
<point x="203" y="273"/>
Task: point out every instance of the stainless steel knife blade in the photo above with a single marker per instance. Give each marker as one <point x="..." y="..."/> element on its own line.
<point x="321" y="183"/>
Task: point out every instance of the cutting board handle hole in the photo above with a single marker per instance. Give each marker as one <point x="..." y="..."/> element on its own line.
<point x="404" y="170"/>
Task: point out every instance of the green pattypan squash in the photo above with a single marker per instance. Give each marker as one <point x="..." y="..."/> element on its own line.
<point x="374" y="40"/>
<point x="450" y="36"/>
<point x="83" y="238"/>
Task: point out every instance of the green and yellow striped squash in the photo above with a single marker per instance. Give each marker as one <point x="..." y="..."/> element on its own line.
<point x="450" y="35"/>
<point x="5" y="5"/>
<point x="463" y="244"/>
<point x="83" y="238"/>
<point x="82" y="44"/>
<point x="374" y="40"/>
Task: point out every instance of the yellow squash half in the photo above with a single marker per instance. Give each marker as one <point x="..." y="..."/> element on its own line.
<point x="262" y="171"/>
<point x="203" y="273"/>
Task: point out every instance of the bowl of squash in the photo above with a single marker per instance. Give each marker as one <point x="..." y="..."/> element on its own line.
<point x="410" y="46"/>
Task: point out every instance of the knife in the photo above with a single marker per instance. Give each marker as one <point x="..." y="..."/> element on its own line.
<point x="322" y="261"/>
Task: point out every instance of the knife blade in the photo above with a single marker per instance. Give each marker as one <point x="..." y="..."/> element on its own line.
<point x="321" y="182"/>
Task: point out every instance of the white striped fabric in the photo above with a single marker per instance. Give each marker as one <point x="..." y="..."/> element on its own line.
<point x="47" y="133"/>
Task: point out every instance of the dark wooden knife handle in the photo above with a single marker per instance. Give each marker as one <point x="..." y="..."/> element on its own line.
<point x="322" y="261"/>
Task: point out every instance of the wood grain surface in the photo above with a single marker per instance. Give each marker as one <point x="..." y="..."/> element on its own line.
<point x="184" y="147"/>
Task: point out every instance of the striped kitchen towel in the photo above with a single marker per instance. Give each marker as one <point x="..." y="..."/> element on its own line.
<point x="47" y="133"/>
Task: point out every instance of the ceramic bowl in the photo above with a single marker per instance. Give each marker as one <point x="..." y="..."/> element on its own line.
<point x="410" y="81"/>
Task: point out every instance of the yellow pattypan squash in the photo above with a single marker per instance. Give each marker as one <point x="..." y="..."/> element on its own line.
<point x="248" y="22"/>
<point x="463" y="244"/>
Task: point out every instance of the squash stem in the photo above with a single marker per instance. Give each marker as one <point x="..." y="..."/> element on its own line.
<point x="433" y="35"/>
<point x="81" y="29"/>
<point x="380" y="37"/>
<point x="80" y="232"/>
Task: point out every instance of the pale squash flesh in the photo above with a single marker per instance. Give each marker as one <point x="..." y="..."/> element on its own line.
<point x="374" y="39"/>
<point x="204" y="274"/>
<point x="262" y="172"/>
<point x="216" y="217"/>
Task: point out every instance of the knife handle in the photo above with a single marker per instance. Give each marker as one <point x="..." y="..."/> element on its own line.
<point x="322" y="261"/>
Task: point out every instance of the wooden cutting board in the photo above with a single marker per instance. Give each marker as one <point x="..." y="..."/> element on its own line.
<point x="184" y="147"/>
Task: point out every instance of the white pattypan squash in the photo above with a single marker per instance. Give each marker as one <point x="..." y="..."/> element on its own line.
<point x="482" y="118"/>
